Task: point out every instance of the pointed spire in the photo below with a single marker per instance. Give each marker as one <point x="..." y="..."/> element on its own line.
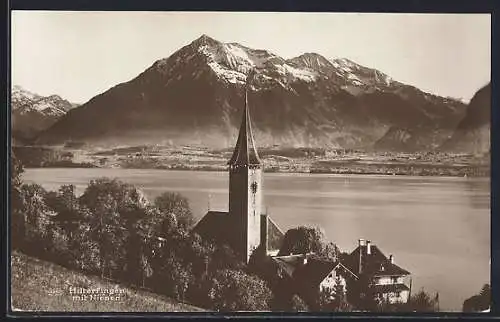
<point x="245" y="152"/>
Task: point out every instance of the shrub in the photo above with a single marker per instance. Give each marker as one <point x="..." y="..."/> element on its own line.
<point x="172" y="202"/>
<point x="307" y="239"/>
<point x="479" y="302"/>
<point x="423" y="302"/>
<point x="234" y="290"/>
<point x="298" y="304"/>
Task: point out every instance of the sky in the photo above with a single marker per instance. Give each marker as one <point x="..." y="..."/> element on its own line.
<point x="79" y="55"/>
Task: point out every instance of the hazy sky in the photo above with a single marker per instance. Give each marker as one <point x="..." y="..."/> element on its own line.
<point x="81" y="54"/>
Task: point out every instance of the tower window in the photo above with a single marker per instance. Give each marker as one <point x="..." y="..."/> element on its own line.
<point x="254" y="187"/>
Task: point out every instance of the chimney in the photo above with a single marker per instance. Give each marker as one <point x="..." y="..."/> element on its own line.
<point x="360" y="266"/>
<point x="391" y="259"/>
<point x="368" y="247"/>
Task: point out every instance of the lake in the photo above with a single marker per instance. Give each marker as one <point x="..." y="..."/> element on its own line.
<point x="438" y="228"/>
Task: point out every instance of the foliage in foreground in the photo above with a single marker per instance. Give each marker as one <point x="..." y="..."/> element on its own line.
<point x="114" y="232"/>
<point x="304" y="239"/>
<point x="479" y="302"/>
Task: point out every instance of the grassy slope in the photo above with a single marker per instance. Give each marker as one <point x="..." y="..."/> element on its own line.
<point x="34" y="282"/>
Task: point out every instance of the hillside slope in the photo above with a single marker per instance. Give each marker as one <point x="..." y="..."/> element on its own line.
<point x="41" y="286"/>
<point x="473" y="132"/>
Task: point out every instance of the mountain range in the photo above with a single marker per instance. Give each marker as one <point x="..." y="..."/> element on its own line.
<point x="196" y="95"/>
<point x="32" y="113"/>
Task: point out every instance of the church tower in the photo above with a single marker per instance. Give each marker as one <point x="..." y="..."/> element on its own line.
<point x="245" y="187"/>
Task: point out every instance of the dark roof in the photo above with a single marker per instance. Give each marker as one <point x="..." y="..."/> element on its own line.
<point x="245" y="152"/>
<point x="386" y="288"/>
<point x="311" y="273"/>
<point x="375" y="264"/>
<point x="315" y="271"/>
<point x="288" y="263"/>
<point x="214" y="226"/>
<point x="274" y="235"/>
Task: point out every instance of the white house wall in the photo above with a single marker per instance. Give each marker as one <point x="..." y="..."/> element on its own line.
<point x="387" y="280"/>
<point x="392" y="297"/>
<point x="331" y="280"/>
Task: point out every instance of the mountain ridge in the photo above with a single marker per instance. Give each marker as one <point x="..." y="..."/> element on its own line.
<point x="473" y="132"/>
<point x="195" y="96"/>
<point x="32" y="113"/>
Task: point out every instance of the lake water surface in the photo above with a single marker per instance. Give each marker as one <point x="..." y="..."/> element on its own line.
<point x="438" y="228"/>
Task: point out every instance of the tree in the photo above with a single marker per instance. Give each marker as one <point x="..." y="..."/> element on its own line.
<point x="170" y="275"/>
<point x="324" y="300"/>
<point x="16" y="171"/>
<point x="87" y="255"/>
<point x="301" y="240"/>
<point x="308" y="239"/>
<point x="339" y="301"/>
<point x="67" y="206"/>
<point x="329" y="251"/>
<point x="105" y="230"/>
<point x="479" y="302"/>
<point x="224" y="256"/>
<point x="363" y="295"/>
<point x="175" y="203"/>
<point x="17" y="216"/>
<point x="115" y="209"/>
<point x="298" y="305"/>
<point x="234" y="290"/>
<point x="34" y="220"/>
<point x="423" y="302"/>
<point x="128" y="199"/>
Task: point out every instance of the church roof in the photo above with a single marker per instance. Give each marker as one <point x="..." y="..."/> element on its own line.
<point x="214" y="226"/>
<point x="245" y="152"/>
<point x="274" y="235"/>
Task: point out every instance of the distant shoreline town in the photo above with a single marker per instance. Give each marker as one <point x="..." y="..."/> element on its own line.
<point x="277" y="160"/>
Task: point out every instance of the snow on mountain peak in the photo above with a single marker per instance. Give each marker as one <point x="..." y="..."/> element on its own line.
<point x="18" y="92"/>
<point x="26" y="102"/>
<point x="359" y="75"/>
<point x="232" y="62"/>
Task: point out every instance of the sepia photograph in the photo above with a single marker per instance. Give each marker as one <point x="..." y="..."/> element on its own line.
<point x="169" y="161"/>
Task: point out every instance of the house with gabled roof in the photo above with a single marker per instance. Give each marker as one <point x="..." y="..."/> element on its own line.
<point x="245" y="228"/>
<point x="308" y="274"/>
<point x="385" y="280"/>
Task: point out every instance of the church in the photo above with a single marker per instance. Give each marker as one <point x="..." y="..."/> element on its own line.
<point x="245" y="228"/>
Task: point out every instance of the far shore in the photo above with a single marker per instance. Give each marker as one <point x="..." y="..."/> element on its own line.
<point x="444" y="171"/>
<point x="296" y="160"/>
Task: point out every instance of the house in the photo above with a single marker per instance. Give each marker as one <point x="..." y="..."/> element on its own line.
<point x="307" y="275"/>
<point x="378" y="274"/>
<point x="245" y="228"/>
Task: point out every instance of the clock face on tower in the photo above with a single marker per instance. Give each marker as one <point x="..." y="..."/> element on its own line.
<point x="253" y="186"/>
